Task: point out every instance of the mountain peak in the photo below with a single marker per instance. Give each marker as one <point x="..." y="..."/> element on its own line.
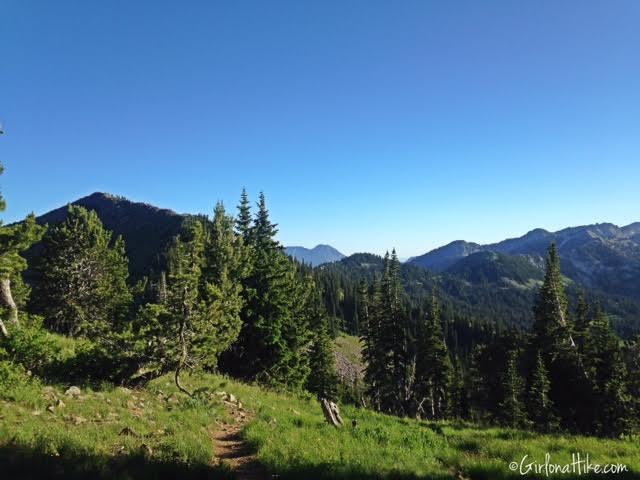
<point x="315" y="256"/>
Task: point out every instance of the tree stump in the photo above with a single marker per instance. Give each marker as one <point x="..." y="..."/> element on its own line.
<point x="331" y="412"/>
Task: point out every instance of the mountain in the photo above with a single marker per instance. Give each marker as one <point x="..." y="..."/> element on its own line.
<point x="145" y="229"/>
<point x="602" y="257"/>
<point x="315" y="256"/>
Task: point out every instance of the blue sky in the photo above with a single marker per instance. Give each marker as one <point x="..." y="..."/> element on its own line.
<point x="368" y="124"/>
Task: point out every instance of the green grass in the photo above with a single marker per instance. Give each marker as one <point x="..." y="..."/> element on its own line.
<point x="108" y="432"/>
<point x="172" y="437"/>
<point x="293" y="441"/>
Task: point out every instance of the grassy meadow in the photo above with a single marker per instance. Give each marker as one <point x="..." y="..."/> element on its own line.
<point x="156" y="432"/>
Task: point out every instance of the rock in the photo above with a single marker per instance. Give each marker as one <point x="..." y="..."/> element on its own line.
<point x="60" y="404"/>
<point x="51" y="409"/>
<point x="172" y="399"/>
<point x="73" y="392"/>
<point x="240" y="406"/>
<point x="231" y="398"/>
<point x="77" y="420"/>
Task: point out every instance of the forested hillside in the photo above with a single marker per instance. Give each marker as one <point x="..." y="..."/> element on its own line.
<point x="493" y="283"/>
<point x="491" y="341"/>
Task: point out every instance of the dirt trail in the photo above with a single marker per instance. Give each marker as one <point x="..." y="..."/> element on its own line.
<point x="231" y="448"/>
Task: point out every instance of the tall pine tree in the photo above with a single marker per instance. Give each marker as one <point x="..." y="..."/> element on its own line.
<point x="434" y="369"/>
<point x="512" y="407"/>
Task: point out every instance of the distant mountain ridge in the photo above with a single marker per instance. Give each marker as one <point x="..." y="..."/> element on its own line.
<point x="318" y="255"/>
<point x="602" y="256"/>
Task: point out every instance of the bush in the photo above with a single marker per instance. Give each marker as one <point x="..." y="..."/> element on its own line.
<point x="32" y="347"/>
<point x="16" y="383"/>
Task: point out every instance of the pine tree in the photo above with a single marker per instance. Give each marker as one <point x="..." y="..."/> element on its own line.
<point x="82" y="276"/>
<point x="512" y="408"/>
<point x="551" y="327"/>
<point x="582" y="319"/>
<point x="633" y="381"/>
<point x="243" y="221"/>
<point x="323" y="379"/>
<point x="539" y="405"/>
<point x="14" y="240"/>
<point x="220" y="286"/>
<point x="458" y="397"/>
<point x="553" y="338"/>
<point x="188" y="328"/>
<point x="275" y="334"/>
<point x="373" y="353"/>
<point x="434" y="369"/>
<point x="605" y="363"/>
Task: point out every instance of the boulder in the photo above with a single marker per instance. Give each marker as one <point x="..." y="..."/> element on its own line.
<point x="73" y="392"/>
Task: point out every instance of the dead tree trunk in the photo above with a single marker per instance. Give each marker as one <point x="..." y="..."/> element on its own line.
<point x="7" y="301"/>
<point x="331" y="412"/>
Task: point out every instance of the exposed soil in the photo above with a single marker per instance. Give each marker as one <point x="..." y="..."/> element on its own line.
<point x="233" y="450"/>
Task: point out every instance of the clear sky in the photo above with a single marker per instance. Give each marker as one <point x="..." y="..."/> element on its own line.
<point x="368" y="124"/>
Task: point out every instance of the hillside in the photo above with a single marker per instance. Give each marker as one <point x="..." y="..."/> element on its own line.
<point x="146" y="229"/>
<point x="488" y="286"/>
<point x="157" y="433"/>
<point x="602" y="257"/>
<point x="315" y="256"/>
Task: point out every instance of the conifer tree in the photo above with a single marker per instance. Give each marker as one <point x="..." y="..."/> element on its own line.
<point x="373" y="353"/>
<point x="323" y="379"/>
<point x="187" y="330"/>
<point x="274" y="338"/>
<point x="82" y="276"/>
<point x="633" y="381"/>
<point x="396" y="380"/>
<point x="14" y="240"/>
<point x="243" y="221"/>
<point x="604" y="361"/>
<point x="458" y="397"/>
<point x="434" y="369"/>
<point x="511" y="407"/>
<point x="582" y="319"/>
<point x="553" y="338"/>
<point x="220" y="286"/>
<point x="539" y="404"/>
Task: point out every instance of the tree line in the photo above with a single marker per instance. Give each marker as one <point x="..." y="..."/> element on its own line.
<point x="226" y="299"/>
<point x="569" y="373"/>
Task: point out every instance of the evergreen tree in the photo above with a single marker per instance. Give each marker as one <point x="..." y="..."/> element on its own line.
<point x="220" y="286"/>
<point x="82" y="276"/>
<point x="275" y="334"/>
<point x="396" y="380"/>
<point x="323" y="379"/>
<point x="434" y="369"/>
<point x="633" y="381"/>
<point x="539" y="405"/>
<point x="553" y="338"/>
<point x="458" y="397"/>
<point x="605" y="363"/>
<point x="582" y="319"/>
<point x="14" y="240"/>
<point x="512" y="408"/>
<point x="243" y="221"/>
<point x="373" y="353"/>
<point x="187" y="328"/>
